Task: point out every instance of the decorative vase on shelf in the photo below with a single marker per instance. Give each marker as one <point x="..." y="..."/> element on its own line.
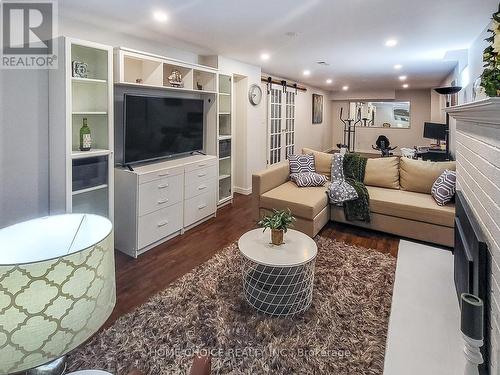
<point x="175" y="79"/>
<point x="277" y="236"/>
<point x="85" y="137"/>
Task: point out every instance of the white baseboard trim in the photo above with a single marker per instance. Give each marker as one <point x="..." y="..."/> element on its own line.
<point x="244" y="191"/>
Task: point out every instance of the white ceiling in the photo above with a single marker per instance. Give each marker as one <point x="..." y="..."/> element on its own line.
<point x="347" y="34"/>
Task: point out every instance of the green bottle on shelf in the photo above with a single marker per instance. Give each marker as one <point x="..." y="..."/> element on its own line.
<point x="85" y="137"/>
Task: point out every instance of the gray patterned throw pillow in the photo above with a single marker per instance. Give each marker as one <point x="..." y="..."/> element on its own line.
<point x="308" y="179"/>
<point x="444" y="187"/>
<point x="301" y="163"/>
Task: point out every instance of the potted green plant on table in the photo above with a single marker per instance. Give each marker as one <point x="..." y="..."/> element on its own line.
<point x="278" y="222"/>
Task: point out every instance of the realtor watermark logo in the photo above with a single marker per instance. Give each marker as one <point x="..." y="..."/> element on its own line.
<point x="28" y="32"/>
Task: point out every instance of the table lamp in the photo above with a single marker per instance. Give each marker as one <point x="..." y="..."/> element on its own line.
<point x="57" y="288"/>
<point x="448" y="91"/>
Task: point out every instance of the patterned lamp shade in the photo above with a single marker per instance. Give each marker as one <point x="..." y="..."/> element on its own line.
<point x="57" y="287"/>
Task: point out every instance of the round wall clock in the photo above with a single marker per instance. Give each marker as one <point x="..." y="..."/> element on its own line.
<point x="254" y="94"/>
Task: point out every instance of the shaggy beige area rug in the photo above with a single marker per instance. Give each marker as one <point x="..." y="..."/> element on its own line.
<point x="343" y="332"/>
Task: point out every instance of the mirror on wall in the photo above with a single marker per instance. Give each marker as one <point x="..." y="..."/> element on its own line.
<point x="375" y="114"/>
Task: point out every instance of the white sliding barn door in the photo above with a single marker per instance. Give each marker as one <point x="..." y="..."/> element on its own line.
<point x="289" y="123"/>
<point x="280" y="125"/>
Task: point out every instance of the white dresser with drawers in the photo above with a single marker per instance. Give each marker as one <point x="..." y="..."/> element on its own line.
<point x="158" y="201"/>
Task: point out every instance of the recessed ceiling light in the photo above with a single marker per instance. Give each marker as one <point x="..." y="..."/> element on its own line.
<point x="398" y="66"/>
<point x="306" y="72"/>
<point x="329" y="80"/>
<point x="391" y="43"/>
<point x="405" y="86"/>
<point x="402" y="78"/>
<point x="160" y="16"/>
<point x="264" y="56"/>
<point x="345" y="88"/>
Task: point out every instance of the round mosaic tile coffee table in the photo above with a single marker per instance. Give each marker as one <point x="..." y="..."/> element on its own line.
<point x="278" y="280"/>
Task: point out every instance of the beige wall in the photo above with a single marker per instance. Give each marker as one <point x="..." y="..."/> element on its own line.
<point x="250" y="127"/>
<point x="379" y="94"/>
<point x="251" y="123"/>
<point x="474" y="60"/>
<point x="240" y="131"/>
<point x="475" y="63"/>
<point x="307" y="134"/>
<point x="420" y="112"/>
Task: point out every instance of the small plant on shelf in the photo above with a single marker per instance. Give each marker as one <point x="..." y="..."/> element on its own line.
<point x="278" y="222"/>
<point x="490" y="79"/>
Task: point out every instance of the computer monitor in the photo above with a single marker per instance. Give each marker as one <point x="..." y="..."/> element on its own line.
<point x="434" y="130"/>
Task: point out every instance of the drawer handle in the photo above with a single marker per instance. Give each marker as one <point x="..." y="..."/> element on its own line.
<point x="202" y="164"/>
<point x="201" y="187"/>
<point x="202" y="174"/>
<point x="163" y="174"/>
<point x="162" y="186"/>
<point x="163" y="201"/>
<point x="202" y="206"/>
<point x="162" y="223"/>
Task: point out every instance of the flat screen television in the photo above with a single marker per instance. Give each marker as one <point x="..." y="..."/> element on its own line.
<point x="159" y="127"/>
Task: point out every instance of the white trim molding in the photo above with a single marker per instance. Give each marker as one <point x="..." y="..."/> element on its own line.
<point x="486" y="111"/>
<point x="244" y="191"/>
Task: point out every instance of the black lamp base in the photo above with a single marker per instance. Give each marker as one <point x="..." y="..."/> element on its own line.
<point x="450" y="90"/>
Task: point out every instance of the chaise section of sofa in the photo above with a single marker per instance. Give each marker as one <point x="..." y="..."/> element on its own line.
<point x="309" y="205"/>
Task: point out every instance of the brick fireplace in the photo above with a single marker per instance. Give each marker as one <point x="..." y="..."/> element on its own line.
<point x="478" y="180"/>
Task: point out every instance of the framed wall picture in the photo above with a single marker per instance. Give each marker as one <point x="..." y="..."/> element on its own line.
<point x="317" y="109"/>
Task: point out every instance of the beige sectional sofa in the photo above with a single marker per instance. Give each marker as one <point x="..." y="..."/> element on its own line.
<point x="400" y="200"/>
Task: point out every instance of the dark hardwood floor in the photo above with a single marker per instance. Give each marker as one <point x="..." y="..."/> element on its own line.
<point x="139" y="279"/>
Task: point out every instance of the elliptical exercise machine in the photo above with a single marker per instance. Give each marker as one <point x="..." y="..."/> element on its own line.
<point x="349" y="138"/>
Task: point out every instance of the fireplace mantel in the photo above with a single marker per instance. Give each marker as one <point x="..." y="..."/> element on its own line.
<point x="486" y="111"/>
<point x="477" y="153"/>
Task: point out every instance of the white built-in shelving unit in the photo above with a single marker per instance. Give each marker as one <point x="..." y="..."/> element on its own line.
<point x="225" y="137"/>
<point x="142" y="72"/>
<point x="142" y="69"/>
<point x="81" y="181"/>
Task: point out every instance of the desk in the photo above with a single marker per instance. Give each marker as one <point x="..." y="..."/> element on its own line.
<point x="434" y="155"/>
